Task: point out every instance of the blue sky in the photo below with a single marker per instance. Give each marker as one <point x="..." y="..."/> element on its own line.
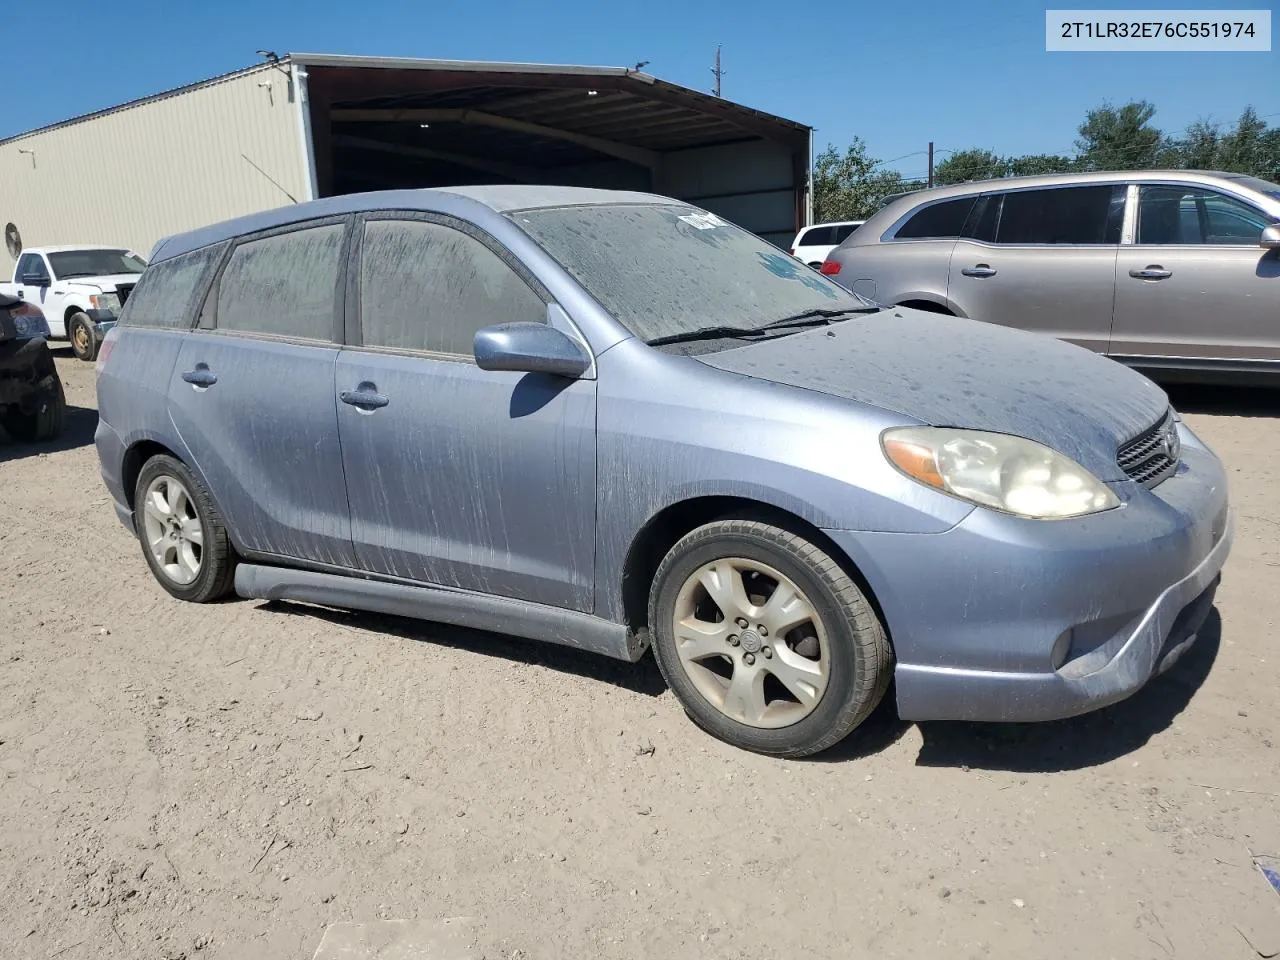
<point x="896" y="74"/>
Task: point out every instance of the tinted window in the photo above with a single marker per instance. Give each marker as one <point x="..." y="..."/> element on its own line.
<point x="94" y="263"/>
<point x="817" y="236"/>
<point x="284" y="286"/>
<point x="983" y="218"/>
<point x="843" y="232"/>
<point x="424" y="286"/>
<point x="166" y="292"/>
<point x="938" y="221"/>
<point x="665" y="269"/>
<point x="1193" y="215"/>
<point x="31" y="265"/>
<point x="1062" y="215"/>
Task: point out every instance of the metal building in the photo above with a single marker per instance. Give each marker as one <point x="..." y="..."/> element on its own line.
<point x="314" y="125"/>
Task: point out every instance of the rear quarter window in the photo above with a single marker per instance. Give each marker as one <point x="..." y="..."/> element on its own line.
<point x="166" y="293"/>
<point x="938" y="221"/>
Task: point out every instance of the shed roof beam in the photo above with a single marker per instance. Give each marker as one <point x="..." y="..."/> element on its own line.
<point x="509" y="170"/>
<point x="636" y="155"/>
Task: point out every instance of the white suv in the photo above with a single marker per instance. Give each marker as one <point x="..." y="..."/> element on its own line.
<point x="812" y="244"/>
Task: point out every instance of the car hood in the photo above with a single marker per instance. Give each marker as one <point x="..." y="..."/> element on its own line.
<point x="104" y="284"/>
<point x="948" y="372"/>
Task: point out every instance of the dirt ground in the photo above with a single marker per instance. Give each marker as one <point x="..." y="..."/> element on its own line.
<point x="226" y="781"/>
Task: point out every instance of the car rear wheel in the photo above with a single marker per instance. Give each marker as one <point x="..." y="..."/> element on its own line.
<point x="765" y="639"/>
<point x="41" y="419"/>
<point x="84" y="343"/>
<point x="183" y="538"/>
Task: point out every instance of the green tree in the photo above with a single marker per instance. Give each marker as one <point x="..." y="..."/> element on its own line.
<point x="850" y="186"/>
<point x="1039" y="163"/>
<point x="1250" y="148"/>
<point x="972" y="164"/>
<point x="1119" y="139"/>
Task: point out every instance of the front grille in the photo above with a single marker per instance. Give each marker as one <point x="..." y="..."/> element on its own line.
<point x="1152" y="455"/>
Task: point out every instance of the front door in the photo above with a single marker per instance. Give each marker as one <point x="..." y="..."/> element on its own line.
<point x="32" y="266"/>
<point x="1195" y="284"/>
<point x="1042" y="260"/>
<point x="457" y="476"/>
<point x="252" y="396"/>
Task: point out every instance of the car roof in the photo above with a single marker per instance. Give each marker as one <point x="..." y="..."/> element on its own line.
<point x="1070" y="179"/>
<point x="464" y="201"/>
<point x="833" y="223"/>
<point x="67" y="247"/>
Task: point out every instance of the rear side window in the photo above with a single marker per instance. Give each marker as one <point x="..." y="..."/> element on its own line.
<point x="1062" y="215"/>
<point x="817" y="237"/>
<point x="426" y="286"/>
<point x="844" y="232"/>
<point x="283" y="286"/>
<point x="938" y="221"/>
<point x="166" y="292"/>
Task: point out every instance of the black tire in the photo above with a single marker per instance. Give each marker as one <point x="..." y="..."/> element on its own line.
<point x="84" y="342"/>
<point x="859" y="656"/>
<point x="217" y="560"/>
<point x="44" y="422"/>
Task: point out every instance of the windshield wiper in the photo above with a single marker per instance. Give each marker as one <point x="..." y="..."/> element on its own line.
<point x="702" y="333"/>
<point x="808" y="318"/>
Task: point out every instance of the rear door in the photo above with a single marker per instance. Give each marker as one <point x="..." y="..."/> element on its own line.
<point x="252" y="394"/>
<point x="458" y="476"/>
<point x="1044" y="260"/>
<point x="1195" y="284"/>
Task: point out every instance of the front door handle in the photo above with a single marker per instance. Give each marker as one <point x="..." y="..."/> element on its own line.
<point x="365" y="397"/>
<point x="981" y="270"/>
<point x="201" y="376"/>
<point x="1152" y="272"/>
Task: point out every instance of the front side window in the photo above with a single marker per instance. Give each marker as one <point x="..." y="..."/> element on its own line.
<point x="32" y="265"/>
<point x="1062" y="215"/>
<point x="665" y="270"/>
<point x="426" y="286"/>
<point x="283" y="286"/>
<point x="818" y="237"/>
<point x="1196" y="216"/>
<point x="165" y="294"/>
<point x="938" y="221"/>
<point x="95" y="263"/>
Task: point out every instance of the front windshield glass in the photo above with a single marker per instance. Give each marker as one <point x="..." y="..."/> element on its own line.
<point x="94" y="263"/>
<point x="669" y="269"/>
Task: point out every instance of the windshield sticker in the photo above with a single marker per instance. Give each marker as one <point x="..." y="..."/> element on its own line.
<point x="703" y="221"/>
<point x="791" y="269"/>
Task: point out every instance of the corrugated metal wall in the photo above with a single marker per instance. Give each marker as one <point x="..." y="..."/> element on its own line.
<point x="134" y="175"/>
<point x="751" y="184"/>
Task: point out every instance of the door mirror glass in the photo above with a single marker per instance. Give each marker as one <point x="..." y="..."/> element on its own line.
<point x="530" y="348"/>
<point x="1270" y="237"/>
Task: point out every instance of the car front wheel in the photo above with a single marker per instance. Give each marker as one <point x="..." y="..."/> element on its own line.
<point x="183" y="538"/>
<point x="84" y="342"/>
<point x="765" y="639"/>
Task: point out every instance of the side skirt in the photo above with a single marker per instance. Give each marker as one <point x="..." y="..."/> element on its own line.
<point x="478" y="611"/>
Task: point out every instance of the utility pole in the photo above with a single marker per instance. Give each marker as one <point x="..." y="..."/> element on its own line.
<point x="717" y="71"/>
<point x="931" y="163"/>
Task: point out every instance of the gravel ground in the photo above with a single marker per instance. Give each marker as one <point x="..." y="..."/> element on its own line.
<point x="225" y="781"/>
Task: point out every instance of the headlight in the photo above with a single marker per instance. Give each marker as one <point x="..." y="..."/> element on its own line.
<point x="106" y="301"/>
<point x="996" y="470"/>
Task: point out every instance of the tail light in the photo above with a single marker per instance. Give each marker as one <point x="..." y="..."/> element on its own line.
<point x="830" y="267"/>
<point x="104" y="350"/>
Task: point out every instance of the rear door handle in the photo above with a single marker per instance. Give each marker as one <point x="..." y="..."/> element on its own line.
<point x="1153" y="272"/>
<point x="365" y="397"/>
<point x="201" y="376"/>
<point x="981" y="270"/>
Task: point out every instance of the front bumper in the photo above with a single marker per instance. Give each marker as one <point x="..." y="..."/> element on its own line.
<point x="1006" y="619"/>
<point x="103" y="321"/>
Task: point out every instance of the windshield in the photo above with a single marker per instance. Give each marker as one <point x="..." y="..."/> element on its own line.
<point x="668" y="269"/>
<point x="94" y="263"/>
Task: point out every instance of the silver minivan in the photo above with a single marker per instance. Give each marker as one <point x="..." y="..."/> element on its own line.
<point x="1166" y="270"/>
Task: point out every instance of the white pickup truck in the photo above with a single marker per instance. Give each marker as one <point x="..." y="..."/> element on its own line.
<point x="79" y="289"/>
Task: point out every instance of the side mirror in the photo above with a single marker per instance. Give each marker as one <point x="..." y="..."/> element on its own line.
<point x="530" y="348"/>
<point x="35" y="280"/>
<point x="1270" y="239"/>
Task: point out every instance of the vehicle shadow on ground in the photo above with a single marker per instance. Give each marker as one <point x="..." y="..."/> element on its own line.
<point x="1080" y="742"/>
<point x="1224" y="401"/>
<point x="642" y="677"/>
<point x="77" y="431"/>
